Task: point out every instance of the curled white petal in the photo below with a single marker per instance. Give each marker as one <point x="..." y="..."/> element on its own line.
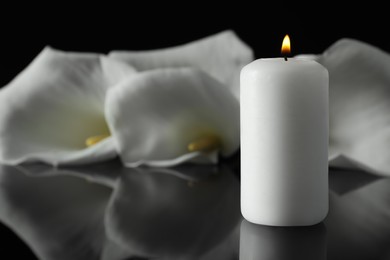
<point x="50" y="109"/>
<point x="194" y="156"/>
<point x="221" y="55"/>
<point x="155" y="115"/>
<point x="359" y="94"/>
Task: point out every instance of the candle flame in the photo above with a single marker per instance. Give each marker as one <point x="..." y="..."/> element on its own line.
<point x="286" y="46"/>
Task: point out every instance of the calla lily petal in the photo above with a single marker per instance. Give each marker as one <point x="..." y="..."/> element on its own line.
<point x="50" y="109"/>
<point x="359" y="103"/>
<point x="221" y="55"/>
<point x="155" y="115"/>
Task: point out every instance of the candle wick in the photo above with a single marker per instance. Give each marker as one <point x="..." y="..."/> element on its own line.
<point x="285" y="58"/>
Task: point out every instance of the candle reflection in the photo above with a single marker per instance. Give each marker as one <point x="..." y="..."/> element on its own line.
<point x="266" y="242"/>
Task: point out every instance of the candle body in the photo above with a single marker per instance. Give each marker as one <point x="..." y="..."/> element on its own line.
<point x="284" y="142"/>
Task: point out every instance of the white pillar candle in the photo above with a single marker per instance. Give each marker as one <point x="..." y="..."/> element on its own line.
<point x="284" y="142"/>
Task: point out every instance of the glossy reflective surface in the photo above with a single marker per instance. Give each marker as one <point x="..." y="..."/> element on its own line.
<point x="105" y="211"/>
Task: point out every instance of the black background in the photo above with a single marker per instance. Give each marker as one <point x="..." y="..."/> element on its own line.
<point x="314" y="27"/>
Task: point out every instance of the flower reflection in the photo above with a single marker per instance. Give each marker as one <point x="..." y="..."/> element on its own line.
<point x="59" y="217"/>
<point x="156" y="214"/>
<point x="358" y="224"/>
<point x="167" y="213"/>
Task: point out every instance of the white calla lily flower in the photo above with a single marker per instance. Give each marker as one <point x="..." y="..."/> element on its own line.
<point x="221" y="55"/>
<point x="168" y="116"/>
<point x="359" y="94"/>
<point x="53" y="111"/>
<point x="73" y="108"/>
